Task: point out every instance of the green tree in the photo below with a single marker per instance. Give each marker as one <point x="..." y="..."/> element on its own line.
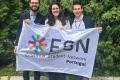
<point x="9" y="17"/>
<point x="106" y="14"/>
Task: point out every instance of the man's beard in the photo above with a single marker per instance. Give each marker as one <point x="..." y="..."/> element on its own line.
<point x="34" y="10"/>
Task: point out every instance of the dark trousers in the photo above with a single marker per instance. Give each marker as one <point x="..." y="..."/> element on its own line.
<point x="27" y="77"/>
<point x="56" y="76"/>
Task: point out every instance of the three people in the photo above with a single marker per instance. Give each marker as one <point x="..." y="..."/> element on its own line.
<point x="55" y="18"/>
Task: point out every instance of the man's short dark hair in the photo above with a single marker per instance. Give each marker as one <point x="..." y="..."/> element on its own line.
<point x="30" y="1"/>
<point x="77" y="3"/>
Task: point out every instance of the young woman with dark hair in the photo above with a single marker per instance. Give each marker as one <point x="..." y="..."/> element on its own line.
<point x="56" y="18"/>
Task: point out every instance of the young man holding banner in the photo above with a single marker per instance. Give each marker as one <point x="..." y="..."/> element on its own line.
<point x="31" y="17"/>
<point x="81" y="22"/>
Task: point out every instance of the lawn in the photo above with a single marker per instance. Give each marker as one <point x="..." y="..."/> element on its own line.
<point x="9" y="70"/>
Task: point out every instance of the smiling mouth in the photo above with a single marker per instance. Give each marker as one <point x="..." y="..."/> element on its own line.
<point x="56" y="12"/>
<point x="34" y="7"/>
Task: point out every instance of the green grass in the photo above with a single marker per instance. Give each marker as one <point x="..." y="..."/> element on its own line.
<point x="9" y="70"/>
<point x="106" y="73"/>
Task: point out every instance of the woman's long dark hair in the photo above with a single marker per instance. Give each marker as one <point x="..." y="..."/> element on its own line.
<point x="51" y="18"/>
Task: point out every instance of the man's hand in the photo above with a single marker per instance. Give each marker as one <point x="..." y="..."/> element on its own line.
<point x="28" y="21"/>
<point x="61" y="28"/>
<point x="15" y="50"/>
<point x="99" y="29"/>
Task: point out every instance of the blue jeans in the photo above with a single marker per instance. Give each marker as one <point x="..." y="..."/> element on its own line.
<point x="27" y="77"/>
<point x="56" y="76"/>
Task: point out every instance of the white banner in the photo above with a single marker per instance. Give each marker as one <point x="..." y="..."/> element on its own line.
<point x="41" y="48"/>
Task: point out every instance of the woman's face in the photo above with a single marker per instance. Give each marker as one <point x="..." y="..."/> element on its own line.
<point x="55" y="10"/>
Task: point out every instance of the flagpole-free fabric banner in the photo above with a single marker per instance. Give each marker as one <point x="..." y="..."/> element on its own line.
<point x="50" y="49"/>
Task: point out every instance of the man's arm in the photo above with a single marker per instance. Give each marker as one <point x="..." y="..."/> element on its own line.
<point x="23" y="16"/>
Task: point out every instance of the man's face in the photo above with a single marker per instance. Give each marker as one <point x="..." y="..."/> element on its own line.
<point x="34" y="5"/>
<point x="77" y="10"/>
<point x="55" y="10"/>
